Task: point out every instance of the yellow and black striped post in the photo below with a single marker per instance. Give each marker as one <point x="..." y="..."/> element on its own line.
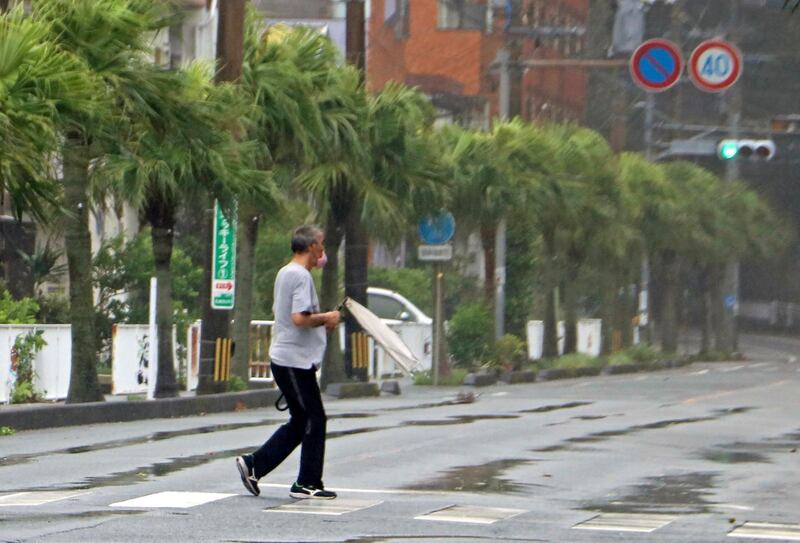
<point x="360" y="347"/>
<point x="222" y="359"/>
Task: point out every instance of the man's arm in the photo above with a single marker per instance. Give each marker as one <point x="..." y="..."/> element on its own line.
<point x="311" y="320"/>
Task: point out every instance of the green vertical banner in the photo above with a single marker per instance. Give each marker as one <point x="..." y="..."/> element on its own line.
<point x="223" y="270"/>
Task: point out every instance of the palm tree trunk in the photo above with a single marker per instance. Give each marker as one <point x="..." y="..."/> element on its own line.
<point x="669" y="311"/>
<point x="162" y="237"/>
<point x="488" y="236"/>
<point x="568" y="288"/>
<point x="333" y="370"/>
<point x="550" y="347"/>
<point x="717" y="307"/>
<point x="84" y="385"/>
<point x="243" y="308"/>
<point x="355" y="279"/>
<point x="708" y="320"/>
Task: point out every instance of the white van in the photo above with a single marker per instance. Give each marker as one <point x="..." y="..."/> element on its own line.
<point x="413" y="326"/>
<point x="393" y="306"/>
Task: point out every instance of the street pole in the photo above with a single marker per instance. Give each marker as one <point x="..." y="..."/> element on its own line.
<point x="436" y="361"/>
<point x="356" y="239"/>
<point x="504" y="99"/>
<point x="644" y="294"/>
<point x="728" y="336"/>
<point x="216" y="323"/>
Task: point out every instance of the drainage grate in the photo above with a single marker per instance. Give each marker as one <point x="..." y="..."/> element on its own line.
<point x="625" y="522"/>
<point x="767" y="530"/>
<point x="471" y="514"/>
<point x="37" y="498"/>
<point x="338" y="506"/>
<point x="173" y="500"/>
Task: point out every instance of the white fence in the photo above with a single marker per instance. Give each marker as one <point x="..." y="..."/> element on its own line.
<point x="51" y="366"/>
<point x="590" y="339"/>
<point x="130" y="358"/>
<point x="416" y="336"/>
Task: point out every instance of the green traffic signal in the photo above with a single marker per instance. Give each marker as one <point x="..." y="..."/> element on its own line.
<point x="728" y="149"/>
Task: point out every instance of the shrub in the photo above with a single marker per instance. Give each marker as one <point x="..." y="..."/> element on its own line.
<point x="577" y="360"/>
<point x="508" y="352"/>
<point x="236" y="384"/>
<point x="21" y="311"/>
<point x="643" y="353"/>
<point x="7" y="431"/>
<point x="469" y="334"/>
<point x="620" y="358"/>
<point x="24" y="351"/>
<point x="455" y="378"/>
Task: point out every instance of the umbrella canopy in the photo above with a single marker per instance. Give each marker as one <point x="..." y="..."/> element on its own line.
<point x="383" y="335"/>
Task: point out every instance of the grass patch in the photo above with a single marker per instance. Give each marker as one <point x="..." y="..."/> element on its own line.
<point x="456" y="378"/>
<point x="7" y="431"/>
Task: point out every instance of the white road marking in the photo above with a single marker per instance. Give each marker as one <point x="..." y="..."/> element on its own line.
<point x="339" y="506"/>
<point x="733" y="506"/>
<point x="173" y="500"/>
<point x="735" y="368"/>
<point x="701" y="372"/>
<point x="37" y="498"/>
<point x="471" y="514"/>
<point x="767" y="530"/>
<point x="625" y="522"/>
<point x="370" y="490"/>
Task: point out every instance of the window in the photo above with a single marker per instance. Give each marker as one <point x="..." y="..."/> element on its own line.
<point x="385" y="307"/>
<point x="461" y="14"/>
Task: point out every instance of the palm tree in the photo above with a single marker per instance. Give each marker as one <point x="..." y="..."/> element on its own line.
<point x="111" y="38"/>
<point x="183" y="150"/>
<point x="41" y="85"/>
<point x="482" y="191"/>
<point x="337" y="180"/>
<point x="283" y="70"/>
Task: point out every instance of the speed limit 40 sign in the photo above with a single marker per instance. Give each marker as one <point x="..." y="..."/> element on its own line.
<point x="715" y="65"/>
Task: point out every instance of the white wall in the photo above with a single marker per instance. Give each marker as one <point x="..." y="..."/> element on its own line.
<point x="51" y="366"/>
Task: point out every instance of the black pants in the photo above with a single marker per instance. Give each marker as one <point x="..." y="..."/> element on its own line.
<point x="306" y="426"/>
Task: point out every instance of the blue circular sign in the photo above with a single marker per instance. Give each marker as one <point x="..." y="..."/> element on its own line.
<point x="656" y="65"/>
<point x="437" y="230"/>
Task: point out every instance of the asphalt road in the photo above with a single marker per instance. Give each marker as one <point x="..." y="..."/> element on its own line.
<point x="702" y="453"/>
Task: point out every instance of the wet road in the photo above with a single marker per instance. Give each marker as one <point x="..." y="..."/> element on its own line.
<point x="702" y="453"/>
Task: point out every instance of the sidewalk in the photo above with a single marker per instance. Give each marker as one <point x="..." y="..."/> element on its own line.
<point x="117" y="409"/>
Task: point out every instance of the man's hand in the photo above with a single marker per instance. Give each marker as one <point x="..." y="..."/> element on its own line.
<point x="332" y="319"/>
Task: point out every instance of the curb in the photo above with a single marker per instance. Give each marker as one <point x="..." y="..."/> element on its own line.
<point x="35" y="417"/>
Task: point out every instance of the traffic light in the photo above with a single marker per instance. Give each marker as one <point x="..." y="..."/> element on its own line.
<point x="755" y="149"/>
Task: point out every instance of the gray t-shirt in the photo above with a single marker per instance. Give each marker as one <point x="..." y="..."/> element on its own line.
<point x="293" y="346"/>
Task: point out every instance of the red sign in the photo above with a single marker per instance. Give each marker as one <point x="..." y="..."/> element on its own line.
<point x="715" y="65"/>
<point x="656" y="65"/>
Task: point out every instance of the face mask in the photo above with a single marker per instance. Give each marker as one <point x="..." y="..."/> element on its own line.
<point x="322" y="260"/>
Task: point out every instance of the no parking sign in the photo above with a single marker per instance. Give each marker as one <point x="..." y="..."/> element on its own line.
<point x="656" y="65"/>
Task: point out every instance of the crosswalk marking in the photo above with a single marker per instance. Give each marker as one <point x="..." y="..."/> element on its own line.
<point x="173" y="500"/>
<point x="625" y="522"/>
<point x="37" y="498"/>
<point x="767" y="530"/>
<point x="339" y="506"/>
<point x="471" y="514"/>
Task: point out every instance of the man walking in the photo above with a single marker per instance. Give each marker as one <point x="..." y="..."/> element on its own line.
<point x="298" y="345"/>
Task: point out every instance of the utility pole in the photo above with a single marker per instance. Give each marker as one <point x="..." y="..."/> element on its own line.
<point x="503" y="60"/>
<point x="216" y="323"/>
<point x="727" y="337"/>
<point x="356" y="238"/>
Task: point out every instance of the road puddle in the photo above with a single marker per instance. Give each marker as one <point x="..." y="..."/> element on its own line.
<point x="687" y="493"/>
<point x="479" y="478"/>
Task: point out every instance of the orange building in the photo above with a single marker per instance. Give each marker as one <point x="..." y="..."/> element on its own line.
<point x="447" y="49"/>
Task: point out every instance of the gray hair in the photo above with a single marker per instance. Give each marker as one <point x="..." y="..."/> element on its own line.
<point x="304" y="237"/>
